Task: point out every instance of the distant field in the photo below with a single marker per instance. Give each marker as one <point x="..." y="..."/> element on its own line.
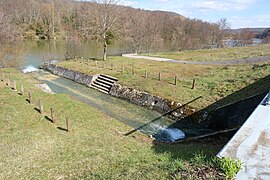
<point x="34" y="148"/>
<point x="219" y="85"/>
<point x="221" y="54"/>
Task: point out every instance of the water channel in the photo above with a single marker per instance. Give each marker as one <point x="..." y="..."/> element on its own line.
<point x="130" y="114"/>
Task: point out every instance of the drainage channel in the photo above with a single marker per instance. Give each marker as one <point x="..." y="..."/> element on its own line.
<point x="146" y="121"/>
<point x="130" y="114"/>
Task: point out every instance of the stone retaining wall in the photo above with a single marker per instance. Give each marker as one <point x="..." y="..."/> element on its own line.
<point x="67" y="73"/>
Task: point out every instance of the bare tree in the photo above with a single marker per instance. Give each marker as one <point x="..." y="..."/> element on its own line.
<point x="105" y="17"/>
<point x="142" y="31"/>
<point x="223" y="26"/>
<point x="10" y="52"/>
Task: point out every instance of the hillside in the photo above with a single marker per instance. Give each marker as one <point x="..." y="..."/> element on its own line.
<point x="139" y="30"/>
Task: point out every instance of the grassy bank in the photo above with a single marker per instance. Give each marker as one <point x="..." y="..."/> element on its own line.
<point x="34" y="148"/>
<point x="219" y="85"/>
<point x="220" y="54"/>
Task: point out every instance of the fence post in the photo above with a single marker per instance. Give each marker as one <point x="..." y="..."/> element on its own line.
<point x="52" y="116"/>
<point x="22" y="90"/>
<point x="40" y="106"/>
<point x="14" y="85"/>
<point x="145" y="74"/>
<point x="68" y="124"/>
<point x="159" y="76"/>
<point x="30" y="98"/>
<point x="175" y="80"/>
<point x="95" y="62"/>
<point x="133" y="71"/>
<point x="193" y="84"/>
<point x="122" y="69"/>
<point x="8" y="81"/>
<point x="3" y="77"/>
<point x="111" y="66"/>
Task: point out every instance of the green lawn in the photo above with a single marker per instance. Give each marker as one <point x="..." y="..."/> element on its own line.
<point x="33" y="148"/>
<point x="220" y="54"/>
<point x="214" y="83"/>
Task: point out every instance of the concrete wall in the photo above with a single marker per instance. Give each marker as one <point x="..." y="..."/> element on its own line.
<point x="234" y="115"/>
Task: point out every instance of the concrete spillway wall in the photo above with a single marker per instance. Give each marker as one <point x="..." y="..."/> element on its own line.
<point x="235" y="114"/>
<point x="132" y="95"/>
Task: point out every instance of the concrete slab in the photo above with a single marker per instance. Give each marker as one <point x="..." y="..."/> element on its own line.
<point x="251" y="144"/>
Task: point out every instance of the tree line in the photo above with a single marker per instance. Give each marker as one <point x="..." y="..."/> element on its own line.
<point x="107" y="21"/>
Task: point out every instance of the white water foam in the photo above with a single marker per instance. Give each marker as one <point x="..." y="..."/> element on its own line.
<point x="29" y="68"/>
<point x="169" y="134"/>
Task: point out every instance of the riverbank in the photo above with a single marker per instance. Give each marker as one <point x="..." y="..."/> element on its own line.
<point x="46" y="151"/>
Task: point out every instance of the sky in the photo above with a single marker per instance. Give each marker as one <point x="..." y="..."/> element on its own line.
<point x="239" y="13"/>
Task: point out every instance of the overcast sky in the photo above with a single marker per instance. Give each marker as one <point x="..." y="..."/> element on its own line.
<point x="240" y="13"/>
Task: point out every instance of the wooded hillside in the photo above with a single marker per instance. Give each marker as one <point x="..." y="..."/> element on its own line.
<point x="140" y="30"/>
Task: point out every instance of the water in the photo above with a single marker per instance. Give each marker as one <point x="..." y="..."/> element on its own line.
<point x="37" y="51"/>
<point x="29" y="68"/>
<point x="171" y="134"/>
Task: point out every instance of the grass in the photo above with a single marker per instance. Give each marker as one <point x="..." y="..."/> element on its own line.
<point x="34" y="148"/>
<point x="220" y="54"/>
<point x="219" y="85"/>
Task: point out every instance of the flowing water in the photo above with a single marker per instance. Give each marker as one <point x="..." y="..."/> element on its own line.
<point x="144" y="120"/>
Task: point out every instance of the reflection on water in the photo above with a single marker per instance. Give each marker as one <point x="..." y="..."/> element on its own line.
<point x="56" y="49"/>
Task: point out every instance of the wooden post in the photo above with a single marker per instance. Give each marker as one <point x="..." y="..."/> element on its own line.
<point x="22" y="90"/>
<point x="133" y="71"/>
<point x="175" y="80"/>
<point x="40" y="106"/>
<point x="193" y="84"/>
<point x="111" y="66"/>
<point x="95" y="62"/>
<point x="68" y="124"/>
<point x="8" y="82"/>
<point x="159" y="76"/>
<point x="14" y="85"/>
<point x="122" y="69"/>
<point x="3" y="77"/>
<point x="52" y="116"/>
<point x="30" y="98"/>
<point x="145" y="74"/>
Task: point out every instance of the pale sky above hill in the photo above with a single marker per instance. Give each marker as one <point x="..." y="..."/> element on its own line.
<point x="240" y="13"/>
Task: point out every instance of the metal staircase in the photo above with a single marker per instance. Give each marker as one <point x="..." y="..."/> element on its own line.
<point x="103" y="82"/>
